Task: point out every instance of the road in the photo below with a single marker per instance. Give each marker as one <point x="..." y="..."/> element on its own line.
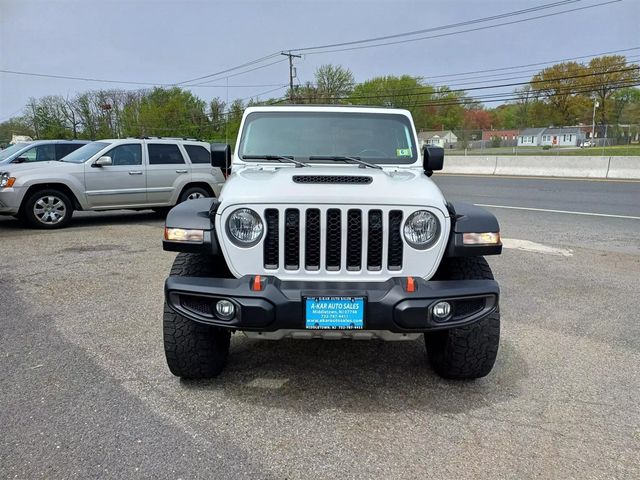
<point x="85" y="392"/>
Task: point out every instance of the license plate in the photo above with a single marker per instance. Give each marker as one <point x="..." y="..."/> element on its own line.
<point x="338" y="313"/>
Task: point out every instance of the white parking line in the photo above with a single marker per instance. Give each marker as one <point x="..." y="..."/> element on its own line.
<point x="528" y="246"/>
<point x="590" y="214"/>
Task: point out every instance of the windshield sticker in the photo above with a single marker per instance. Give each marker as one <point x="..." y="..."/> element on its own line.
<point x="403" y="152"/>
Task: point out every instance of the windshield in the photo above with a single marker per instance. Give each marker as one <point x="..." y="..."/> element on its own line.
<point x="9" y="151"/>
<point x="85" y="153"/>
<point x="377" y="138"/>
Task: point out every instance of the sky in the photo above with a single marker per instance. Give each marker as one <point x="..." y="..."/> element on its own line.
<point x="165" y="42"/>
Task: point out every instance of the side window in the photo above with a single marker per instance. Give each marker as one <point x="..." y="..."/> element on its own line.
<point x="29" y="155"/>
<point x="64" y="149"/>
<point x="164" y="154"/>
<point x="45" y="153"/>
<point x="130" y="154"/>
<point x="198" y="154"/>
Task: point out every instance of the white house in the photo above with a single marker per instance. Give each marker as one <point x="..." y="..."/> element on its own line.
<point x="439" y="139"/>
<point x="552" y="137"/>
<point x="530" y="137"/>
<point x="563" y="137"/>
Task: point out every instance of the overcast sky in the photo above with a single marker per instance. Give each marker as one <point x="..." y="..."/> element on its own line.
<point x="172" y="41"/>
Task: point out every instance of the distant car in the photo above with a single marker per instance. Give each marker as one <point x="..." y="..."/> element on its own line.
<point x="130" y="173"/>
<point x="587" y="143"/>
<point x="39" y="151"/>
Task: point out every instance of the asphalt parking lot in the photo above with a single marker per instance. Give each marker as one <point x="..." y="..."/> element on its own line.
<point x="85" y="391"/>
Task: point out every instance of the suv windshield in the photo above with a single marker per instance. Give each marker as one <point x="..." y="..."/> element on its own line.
<point x="85" y="153"/>
<point x="7" y="152"/>
<point x="377" y="138"/>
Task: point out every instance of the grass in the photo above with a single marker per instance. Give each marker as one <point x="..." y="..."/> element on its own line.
<point x="616" y="150"/>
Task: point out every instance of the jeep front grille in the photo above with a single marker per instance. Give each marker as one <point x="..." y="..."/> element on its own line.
<point x="333" y="239"/>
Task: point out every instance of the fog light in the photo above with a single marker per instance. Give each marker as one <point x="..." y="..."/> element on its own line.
<point x="441" y="310"/>
<point x="225" y="310"/>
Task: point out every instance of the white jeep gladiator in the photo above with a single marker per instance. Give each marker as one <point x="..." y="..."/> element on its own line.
<point x="330" y="227"/>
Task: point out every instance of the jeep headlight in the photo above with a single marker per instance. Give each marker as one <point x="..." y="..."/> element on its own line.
<point x="6" y="180"/>
<point x="245" y="227"/>
<point x="421" y="229"/>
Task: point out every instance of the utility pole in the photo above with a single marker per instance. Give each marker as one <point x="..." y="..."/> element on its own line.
<point x="593" y="122"/>
<point x="291" y="75"/>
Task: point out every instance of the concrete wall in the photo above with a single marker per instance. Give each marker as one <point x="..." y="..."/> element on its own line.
<point x="545" y="166"/>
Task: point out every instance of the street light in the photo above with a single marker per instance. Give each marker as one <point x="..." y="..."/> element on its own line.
<point x="593" y="120"/>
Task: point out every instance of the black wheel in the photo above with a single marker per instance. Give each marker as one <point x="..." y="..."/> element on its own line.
<point x="470" y="351"/>
<point x="194" y="350"/>
<point x="192" y="193"/>
<point x="47" y="209"/>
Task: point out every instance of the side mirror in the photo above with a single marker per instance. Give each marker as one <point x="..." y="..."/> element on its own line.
<point x="20" y="160"/>
<point x="221" y="157"/>
<point x="103" y="162"/>
<point x="432" y="159"/>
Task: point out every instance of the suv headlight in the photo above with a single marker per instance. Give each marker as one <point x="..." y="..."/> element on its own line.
<point x="245" y="227"/>
<point x="421" y="229"/>
<point x="6" y="180"/>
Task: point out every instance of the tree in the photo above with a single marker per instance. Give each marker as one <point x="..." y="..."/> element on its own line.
<point x="610" y="73"/>
<point x="332" y="84"/>
<point x="15" y="126"/>
<point x="558" y="85"/>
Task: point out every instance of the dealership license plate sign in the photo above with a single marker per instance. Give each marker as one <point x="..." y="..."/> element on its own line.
<point x="339" y="313"/>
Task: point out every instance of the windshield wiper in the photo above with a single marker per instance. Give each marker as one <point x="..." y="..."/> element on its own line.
<point x="278" y="158"/>
<point x="346" y="159"/>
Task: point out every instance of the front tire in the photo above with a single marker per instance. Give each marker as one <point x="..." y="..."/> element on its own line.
<point x="194" y="350"/>
<point x="193" y="193"/>
<point x="465" y="352"/>
<point x="47" y="209"/>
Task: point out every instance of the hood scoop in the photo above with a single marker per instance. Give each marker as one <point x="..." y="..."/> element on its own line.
<point x="341" y="179"/>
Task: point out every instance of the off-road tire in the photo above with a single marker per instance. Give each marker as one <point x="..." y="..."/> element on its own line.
<point x="197" y="192"/>
<point x="28" y="215"/>
<point x="194" y="350"/>
<point x="465" y="352"/>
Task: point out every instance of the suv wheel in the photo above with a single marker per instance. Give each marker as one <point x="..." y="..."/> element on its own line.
<point x="194" y="350"/>
<point x="192" y="193"/>
<point x="47" y="209"/>
<point x="465" y="352"/>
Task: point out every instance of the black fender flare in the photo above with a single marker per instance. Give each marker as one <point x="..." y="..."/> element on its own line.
<point x="469" y="218"/>
<point x="196" y="214"/>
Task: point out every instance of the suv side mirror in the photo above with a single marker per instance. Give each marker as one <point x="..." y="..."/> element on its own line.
<point x="432" y="159"/>
<point x="20" y="160"/>
<point x="103" y="162"/>
<point x="221" y="157"/>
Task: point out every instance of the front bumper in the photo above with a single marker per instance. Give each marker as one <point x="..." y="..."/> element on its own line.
<point x="281" y="304"/>
<point x="10" y="199"/>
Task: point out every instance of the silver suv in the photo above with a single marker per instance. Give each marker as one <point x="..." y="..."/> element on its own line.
<point x="109" y="174"/>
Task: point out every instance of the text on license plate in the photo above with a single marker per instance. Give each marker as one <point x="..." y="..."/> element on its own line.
<point x="334" y="312"/>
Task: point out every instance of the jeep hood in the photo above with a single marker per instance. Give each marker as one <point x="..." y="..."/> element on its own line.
<point x="289" y="185"/>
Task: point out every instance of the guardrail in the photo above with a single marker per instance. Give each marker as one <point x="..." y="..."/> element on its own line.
<point x="626" y="168"/>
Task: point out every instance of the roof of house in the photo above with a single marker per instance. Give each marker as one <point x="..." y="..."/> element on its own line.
<point x="562" y="130"/>
<point x="532" y="131"/>
<point x="429" y="135"/>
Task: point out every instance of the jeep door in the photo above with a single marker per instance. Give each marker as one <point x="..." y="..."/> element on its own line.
<point x="167" y="172"/>
<point x="121" y="184"/>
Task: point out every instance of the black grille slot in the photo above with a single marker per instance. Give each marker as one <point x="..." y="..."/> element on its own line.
<point x="334" y="238"/>
<point x="312" y="239"/>
<point x="197" y="305"/>
<point x="344" y="179"/>
<point x="466" y="307"/>
<point x="291" y="239"/>
<point x="271" y="240"/>
<point x="395" y="240"/>
<point x="374" y="247"/>
<point x="354" y="240"/>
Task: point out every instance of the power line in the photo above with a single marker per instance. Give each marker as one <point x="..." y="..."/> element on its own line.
<point x="504" y="85"/>
<point x="205" y="84"/>
<point x="237" y="67"/>
<point x="513" y="22"/>
<point x="442" y="27"/>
